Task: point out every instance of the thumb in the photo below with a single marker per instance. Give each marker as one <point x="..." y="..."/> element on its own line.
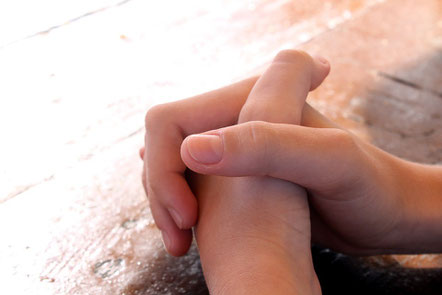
<point x="316" y="158"/>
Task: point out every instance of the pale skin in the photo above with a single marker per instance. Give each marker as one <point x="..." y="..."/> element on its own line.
<point x="351" y="184"/>
<point x="253" y="233"/>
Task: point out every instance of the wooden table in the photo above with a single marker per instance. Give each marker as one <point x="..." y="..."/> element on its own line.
<point x="77" y="79"/>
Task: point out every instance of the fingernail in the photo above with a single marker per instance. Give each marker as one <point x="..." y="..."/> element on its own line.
<point x="166" y="240"/>
<point x="321" y="59"/>
<point x="205" y="149"/>
<point x="176" y="217"/>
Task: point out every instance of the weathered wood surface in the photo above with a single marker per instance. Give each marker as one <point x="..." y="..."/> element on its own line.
<point x="73" y="216"/>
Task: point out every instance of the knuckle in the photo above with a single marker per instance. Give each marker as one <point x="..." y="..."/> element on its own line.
<point x="292" y="56"/>
<point x="343" y="139"/>
<point x="156" y="116"/>
<point x="257" y="133"/>
<point x="345" y="149"/>
<point x="260" y="137"/>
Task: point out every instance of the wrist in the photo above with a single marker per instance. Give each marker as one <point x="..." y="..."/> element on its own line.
<point x="267" y="271"/>
<point x="250" y="243"/>
<point x="422" y="194"/>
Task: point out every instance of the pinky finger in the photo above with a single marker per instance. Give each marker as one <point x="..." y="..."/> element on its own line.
<point x="176" y="241"/>
<point x="141" y="152"/>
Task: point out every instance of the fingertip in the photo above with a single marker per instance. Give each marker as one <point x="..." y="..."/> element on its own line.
<point x="190" y="158"/>
<point x="320" y="72"/>
<point x="187" y="217"/>
<point x="206" y="149"/>
<point x="176" y="241"/>
<point x="141" y="152"/>
<point x="186" y="156"/>
<point x="321" y="59"/>
<point x="191" y="217"/>
<point x="179" y="241"/>
<point x="174" y="196"/>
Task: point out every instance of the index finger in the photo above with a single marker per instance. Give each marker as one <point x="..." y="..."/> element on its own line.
<point x="173" y="204"/>
<point x="280" y="93"/>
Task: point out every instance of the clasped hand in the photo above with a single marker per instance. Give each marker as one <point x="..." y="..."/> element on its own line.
<point x="362" y="200"/>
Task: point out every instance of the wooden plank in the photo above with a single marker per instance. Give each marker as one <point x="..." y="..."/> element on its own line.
<point x="386" y="85"/>
<point x="87" y="85"/>
<point x="90" y="229"/>
<point x="23" y="19"/>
